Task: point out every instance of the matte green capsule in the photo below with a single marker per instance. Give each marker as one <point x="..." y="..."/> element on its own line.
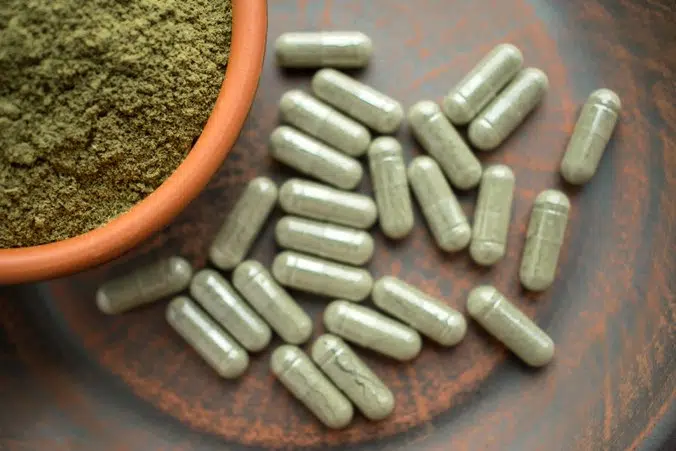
<point x="370" y="107"/>
<point x="314" y="158"/>
<point x="312" y="200"/>
<point x="429" y="316"/>
<point x="325" y="240"/>
<point x="509" y="109"/>
<point x="546" y="231"/>
<point x="482" y="84"/>
<point x="351" y="375"/>
<point x="372" y="330"/>
<point x="492" y="215"/>
<point x="344" y="49"/>
<point x="509" y="325"/>
<point x="440" y="139"/>
<point x="322" y="277"/>
<point x="211" y="342"/>
<point x="243" y="224"/>
<point x="390" y="186"/>
<point x="591" y="135"/>
<point x="441" y="208"/>
<point x="272" y="302"/>
<point x="217" y="297"/>
<point x="144" y="285"/>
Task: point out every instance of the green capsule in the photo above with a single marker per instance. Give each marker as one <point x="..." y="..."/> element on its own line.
<point x="592" y="132"/>
<point x="441" y="209"/>
<point x="351" y="375"/>
<point x="345" y="49"/>
<point x="509" y="325"/>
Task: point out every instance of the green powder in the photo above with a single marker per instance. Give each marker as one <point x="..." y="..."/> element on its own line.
<point x="100" y="100"/>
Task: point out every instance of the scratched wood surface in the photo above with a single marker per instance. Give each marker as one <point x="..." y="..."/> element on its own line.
<point x="72" y="379"/>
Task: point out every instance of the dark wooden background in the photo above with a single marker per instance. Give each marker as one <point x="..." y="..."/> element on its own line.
<point x="73" y="379"/>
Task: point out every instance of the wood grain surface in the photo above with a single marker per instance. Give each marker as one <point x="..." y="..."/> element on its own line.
<point x="74" y="379"/>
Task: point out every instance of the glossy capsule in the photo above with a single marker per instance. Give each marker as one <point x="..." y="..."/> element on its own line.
<point x="307" y="383"/>
<point x="492" y="215"/>
<point x="441" y="208"/>
<point x="322" y="277"/>
<point x="211" y="342"/>
<point x="370" y="107"/>
<point x="372" y="330"/>
<point x="344" y="49"/>
<point x="390" y="186"/>
<point x="324" y="240"/>
<point x="144" y="285"/>
<point x="482" y="83"/>
<point x="440" y="139"/>
<point x="544" y="238"/>
<point x="590" y="137"/>
<point x="314" y="158"/>
<point x="429" y="316"/>
<point x="272" y="302"/>
<point x="508" y="110"/>
<point x="243" y="224"/>
<point x="217" y="297"/>
<point x="316" y="201"/>
<point x="509" y="325"/>
<point x="351" y="375"/>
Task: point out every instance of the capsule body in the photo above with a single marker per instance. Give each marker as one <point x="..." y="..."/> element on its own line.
<point x="351" y="375"/>
<point x="211" y="342"/>
<point x="591" y="135"/>
<point x="243" y="224"/>
<point x="390" y="186"/>
<point x="370" y="107"/>
<point x="508" y="110"/>
<point x="217" y="297"/>
<point x="144" y="285"/>
<point x="509" y="325"/>
<point x="372" y="330"/>
<point x="492" y="215"/>
<point x="344" y="49"/>
<point x="544" y="238"/>
<point x="441" y="208"/>
<point x="440" y="139"/>
<point x="272" y="302"/>
<point x="482" y="83"/>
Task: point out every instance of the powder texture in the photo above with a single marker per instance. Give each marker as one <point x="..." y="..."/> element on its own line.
<point x="100" y="100"/>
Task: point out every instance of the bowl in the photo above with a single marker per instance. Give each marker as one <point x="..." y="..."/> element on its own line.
<point x="249" y="30"/>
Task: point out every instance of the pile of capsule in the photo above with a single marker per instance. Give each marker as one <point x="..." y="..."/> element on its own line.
<point x="324" y="233"/>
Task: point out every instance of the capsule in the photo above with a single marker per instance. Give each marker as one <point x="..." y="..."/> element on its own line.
<point x="591" y="135"/>
<point x="322" y="277"/>
<point x="441" y="208"/>
<point x="305" y="381"/>
<point x="440" y="139"/>
<point x="429" y="316"/>
<point x="492" y="215"/>
<point x="508" y="110"/>
<point x="482" y="84"/>
<point x="344" y="49"/>
<point x="370" y="107"/>
<point x="351" y="375"/>
<point x="509" y="325"/>
<point x="390" y="186"/>
<point x="372" y="330"/>
<point x="312" y="200"/>
<point x="243" y="224"/>
<point x="325" y="240"/>
<point x="217" y="297"/>
<point x="546" y="230"/>
<point x="211" y="342"/>
<point x="272" y="302"/>
<point x="144" y="285"/>
<point x="324" y="123"/>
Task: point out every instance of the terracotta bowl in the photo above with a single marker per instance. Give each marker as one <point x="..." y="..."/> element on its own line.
<point x="222" y="129"/>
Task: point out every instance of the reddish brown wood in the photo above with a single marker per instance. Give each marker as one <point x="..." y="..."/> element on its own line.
<point x="73" y="379"/>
